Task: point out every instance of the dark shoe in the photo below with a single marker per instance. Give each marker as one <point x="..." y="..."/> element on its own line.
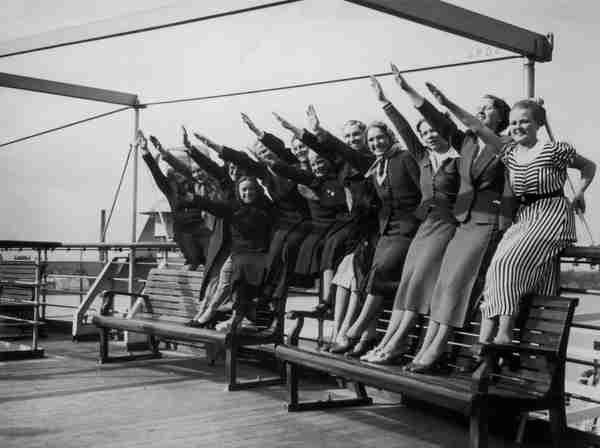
<point x="362" y="347"/>
<point x="194" y="324"/>
<point x="338" y="348"/>
<point x="323" y="310"/>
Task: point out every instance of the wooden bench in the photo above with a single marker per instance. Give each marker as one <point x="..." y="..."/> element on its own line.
<point x="530" y="377"/>
<point x="169" y="300"/>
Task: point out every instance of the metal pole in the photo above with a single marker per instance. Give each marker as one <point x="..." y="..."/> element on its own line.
<point x="529" y="67"/>
<point x="136" y="127"/>
<point x="101" y="252"/>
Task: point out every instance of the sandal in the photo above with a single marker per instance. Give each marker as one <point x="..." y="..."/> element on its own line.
<point x="362" y="347"/>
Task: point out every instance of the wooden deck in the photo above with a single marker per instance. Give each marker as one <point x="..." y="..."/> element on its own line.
<point x="68" y="400"/>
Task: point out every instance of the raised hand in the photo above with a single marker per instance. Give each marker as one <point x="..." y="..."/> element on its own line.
<point x="399" y="78"/>
<point x="289" y="126"/>
<point x="186" y="139"/>
<point x="246" y="119"/>
<point x="141" y="142"/>
<point x="312" y="119"/>
<point x="378" y="90"/>
<point x="437" y="94"/>
<point x="208" y="142"/>
<point x="156" y="144"/>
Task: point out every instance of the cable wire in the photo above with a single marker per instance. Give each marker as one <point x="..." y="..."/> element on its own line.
<point x="68" y="125"/>
<point x="152" y="28"/>
<point x="329" y="81"/>
<point x="117" y="192"/>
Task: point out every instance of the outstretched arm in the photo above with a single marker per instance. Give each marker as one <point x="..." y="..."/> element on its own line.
<point x="413" y="144"/>
<point x="297" y="175"/>
<point x="242" y="159"/>
<point x="157" y="174"/>
<point x="173" y="161"/>
<point x="440" y="122"/>
<point x="469" y="120"/>
<point x="212" y="168"/>
<point x="273" y="143"/>
<point x="217" y="208"/>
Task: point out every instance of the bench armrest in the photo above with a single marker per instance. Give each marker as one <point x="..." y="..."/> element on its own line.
<point x="108" y="297"/>
<point x="294" y="335"/>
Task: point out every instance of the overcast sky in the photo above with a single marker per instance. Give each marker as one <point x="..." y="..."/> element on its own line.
<point x="55" y="185"/>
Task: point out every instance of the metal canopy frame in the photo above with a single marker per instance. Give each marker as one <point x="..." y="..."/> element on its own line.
<point x="432" y="13"/>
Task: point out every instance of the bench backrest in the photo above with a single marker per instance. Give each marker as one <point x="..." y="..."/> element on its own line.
<point x="173" y="293"/>
<point x="543" y="322"/>
<point x="17" y="272"/>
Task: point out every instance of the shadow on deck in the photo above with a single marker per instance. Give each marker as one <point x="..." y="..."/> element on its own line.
<point x="68" y="400"/>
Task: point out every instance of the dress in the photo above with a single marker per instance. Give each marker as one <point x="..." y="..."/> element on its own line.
<point x="525" y="261"/>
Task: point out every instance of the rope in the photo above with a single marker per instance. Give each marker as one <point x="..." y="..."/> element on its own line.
<point x="68" y="125"/>
<point x="329" y="81"/>
<point x="118" y="190"/>
<point x="152" y="28"/>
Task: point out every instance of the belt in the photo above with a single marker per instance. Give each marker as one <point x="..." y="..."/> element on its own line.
<point x="528" y="199"/>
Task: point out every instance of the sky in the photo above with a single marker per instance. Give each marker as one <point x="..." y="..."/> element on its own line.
<point x="56" y="184"/>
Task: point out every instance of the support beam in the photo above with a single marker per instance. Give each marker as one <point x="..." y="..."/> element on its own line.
<point x="469" y="24"/>
<point x="65" y="89"/>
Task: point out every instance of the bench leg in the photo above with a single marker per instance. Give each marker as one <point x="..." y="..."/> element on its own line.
<point x="103" y="345"/>
<point x="558" y="423"/>
<point x="231" y="366"/>
<point x="294" y="404"/>
<point x="479" y="424"/>
<point x="153" y="345"/>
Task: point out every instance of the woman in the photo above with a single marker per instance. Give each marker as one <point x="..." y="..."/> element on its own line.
<point x="394" y="175"/>
<point x="526" y="260"/>
<point x="347" y="242"/>
<point x="439" y="182"/>
<point x="291" y="209"/>
<point x="249" y="218"/>
<point x="482" y="210"/>
<point x="216" y="284"/>
<point x="189" y="229"/>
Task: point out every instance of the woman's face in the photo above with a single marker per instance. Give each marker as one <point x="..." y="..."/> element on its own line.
<point x="300" y="150"/>
<point x="522" y="127"/>
<point x="489" y="114"/>
<point x="378" y="141"/>
<point x="353" y="136"/>
<point x="318" y="165"/>
<point x="234" y="172"/>
<point x="263" y="153"/>
<point x="432" y="139"/>
<point x="248" y="193"/>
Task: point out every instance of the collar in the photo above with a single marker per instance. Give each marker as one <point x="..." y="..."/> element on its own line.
<point x="382" y="159"/>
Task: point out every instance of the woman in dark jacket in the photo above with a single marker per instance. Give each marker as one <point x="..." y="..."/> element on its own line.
<point x="250" y="218"/>
<point x="291" y="209"/>
<point x="394" y="175"/>
<point x="189" y="229"/>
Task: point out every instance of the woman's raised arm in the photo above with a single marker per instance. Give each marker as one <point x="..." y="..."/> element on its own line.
<point x="469" y="120"/>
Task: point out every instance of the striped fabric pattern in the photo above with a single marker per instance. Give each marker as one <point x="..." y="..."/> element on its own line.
<point x="526" y="258"/>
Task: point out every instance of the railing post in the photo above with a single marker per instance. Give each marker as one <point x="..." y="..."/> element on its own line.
<point x="136" y="128"/>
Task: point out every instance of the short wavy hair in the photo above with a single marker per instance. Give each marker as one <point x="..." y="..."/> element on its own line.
<point x="537" y="110"/>
<point x="504" y="110"/>
<point x="361" y="125"/>
<point x="384" y="128"/>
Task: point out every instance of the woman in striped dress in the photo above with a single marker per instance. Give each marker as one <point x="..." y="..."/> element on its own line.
<point x="526" y="260"/>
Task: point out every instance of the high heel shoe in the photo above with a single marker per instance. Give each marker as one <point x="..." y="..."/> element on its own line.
<point x="386" y="358"/>
<point x="362" y="347"/>
<point x="370" y="354"/>
<point x="343" y="347"/>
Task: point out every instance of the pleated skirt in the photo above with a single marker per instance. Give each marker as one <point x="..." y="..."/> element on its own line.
<point x="308" y="262"/>
<point x="340" y="241"/>
<point x="388" y="261"/>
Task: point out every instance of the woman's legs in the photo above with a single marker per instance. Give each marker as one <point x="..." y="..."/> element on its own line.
<point x="326" y="278"/>
<point x="436" y="346"/>
<point x="505" y="329"/>
<point x="367" y="314"/>
<point x="393" y="343"/>
<point x="340" y="311"/>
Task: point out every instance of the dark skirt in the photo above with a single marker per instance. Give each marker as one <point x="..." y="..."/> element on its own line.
<point x="340" y="241"/>
<point x="248" y="269"/>
<point x="308" y="262"/>
<point x="423" y="262"/>
<point x="462" y="272"/>
<point x="386" y="268"/>
<point x="281" y="259"/>
<point x="192" y="244"/>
